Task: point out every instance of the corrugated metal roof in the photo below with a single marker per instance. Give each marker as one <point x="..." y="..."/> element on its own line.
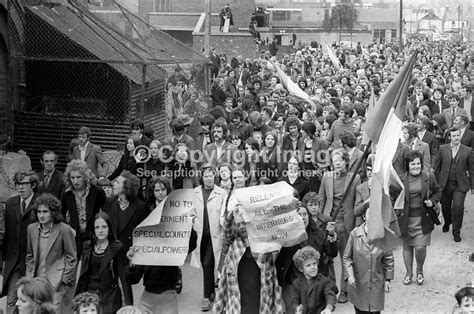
<point x="122" y="53"/>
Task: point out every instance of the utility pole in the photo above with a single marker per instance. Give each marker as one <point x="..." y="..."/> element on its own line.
<point x="400" y="44"/>
<point x="207" y="29"/>
<point x="459" y="22"/>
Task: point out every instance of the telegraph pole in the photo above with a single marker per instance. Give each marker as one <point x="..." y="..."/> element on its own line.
<point x="207" y="28"/>
<point x="400" y="44"/>
<point x="459" y="22"/>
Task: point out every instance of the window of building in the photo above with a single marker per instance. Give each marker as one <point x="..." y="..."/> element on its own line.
<point x="281" y="15"/>
<point x="394" y="33"/>
<point x="162" y="6"/>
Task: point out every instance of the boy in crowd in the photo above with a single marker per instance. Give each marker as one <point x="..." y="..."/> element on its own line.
<point x="311" y="291"/>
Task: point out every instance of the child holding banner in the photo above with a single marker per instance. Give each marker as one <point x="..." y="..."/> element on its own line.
<point x="311" y="291"/>
<point x="102" y="248"/>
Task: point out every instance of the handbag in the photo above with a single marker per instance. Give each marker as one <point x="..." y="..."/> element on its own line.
<point x="434" y="211"/>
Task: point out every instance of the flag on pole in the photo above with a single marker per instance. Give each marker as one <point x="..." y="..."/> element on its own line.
<point x="384" y="125"/>
<point x="288" y="83"/>
<point x="332" y="56"/>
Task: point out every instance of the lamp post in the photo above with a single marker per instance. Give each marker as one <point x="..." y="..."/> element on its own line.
<point x="400" y="44"/>
<point x="459" y="22"/>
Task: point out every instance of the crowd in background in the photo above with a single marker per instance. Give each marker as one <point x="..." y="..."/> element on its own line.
<point x="75" y="228"/>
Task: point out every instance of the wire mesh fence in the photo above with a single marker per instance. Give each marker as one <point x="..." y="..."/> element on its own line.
<point x="84" y="61"/>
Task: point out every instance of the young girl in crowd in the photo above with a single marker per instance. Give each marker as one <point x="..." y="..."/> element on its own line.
<point x="102" y="249"/>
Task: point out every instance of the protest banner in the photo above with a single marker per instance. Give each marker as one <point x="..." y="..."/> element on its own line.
<point x="163" y="237"/>
<point x="271" y="217"/>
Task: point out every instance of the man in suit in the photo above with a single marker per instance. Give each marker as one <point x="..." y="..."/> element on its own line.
<point x="81" y="200"/>
<point x="428" y="137"/>
<point x="452" y="164"/>
<point x="437" y="104"/>
<point x="467" y="136"/>
<point x="19" y="214"/>
<point x="220" y="151"/>
<point x="88" y="152"/>
<point x="50" y="179"/>
<point x="453" y="110"/>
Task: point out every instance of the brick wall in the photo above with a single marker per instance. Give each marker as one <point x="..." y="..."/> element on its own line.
<point x="241" y="9"/>
<point x="230" y="44"/>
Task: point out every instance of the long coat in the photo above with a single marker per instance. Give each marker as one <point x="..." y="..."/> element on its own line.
<point x="15" y="237"/>
<point x="94" y="202"/>
<point x="61" y="254"/>
<point x="370" y="266"/>
<point x="429" y="190"/>
<point x="326" y="193"/>
<point x="214" y="205"/>
<point x="111" y="296"/>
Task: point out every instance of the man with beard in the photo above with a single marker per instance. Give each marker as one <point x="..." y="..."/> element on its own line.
<point x="220" y="151"/>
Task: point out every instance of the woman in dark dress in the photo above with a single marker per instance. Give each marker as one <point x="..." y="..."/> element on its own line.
<point x="421" y="191"/>
<point x="99" y="264"/>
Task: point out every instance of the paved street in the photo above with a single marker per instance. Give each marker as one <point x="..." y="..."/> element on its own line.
<point x="447" y="269"/>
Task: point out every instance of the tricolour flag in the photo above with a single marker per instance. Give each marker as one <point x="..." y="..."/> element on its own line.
<point x="239" y="83"/>
<point x="384" y="125"/>
<point x="288" y="83"/>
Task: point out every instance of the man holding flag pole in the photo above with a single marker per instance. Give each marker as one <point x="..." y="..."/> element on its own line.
<point x="383" y="127"/>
